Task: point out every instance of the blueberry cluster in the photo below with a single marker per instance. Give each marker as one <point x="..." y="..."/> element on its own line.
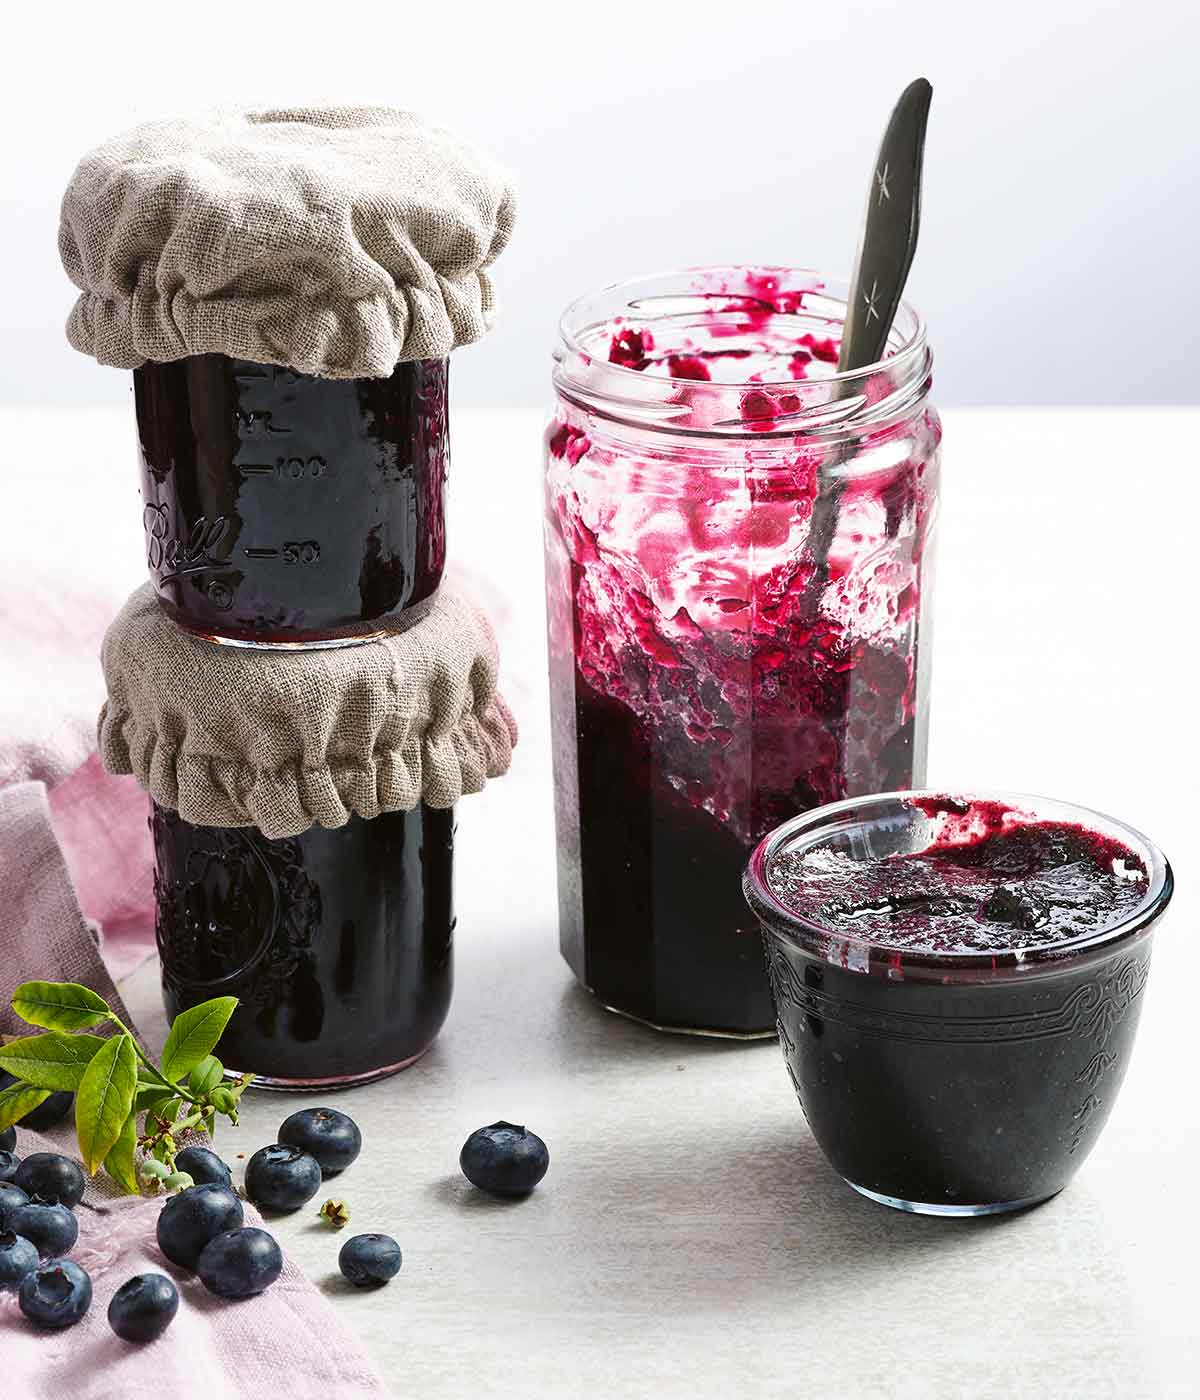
<point x="202" y="1227"/>
<point x="38" y="1230"/>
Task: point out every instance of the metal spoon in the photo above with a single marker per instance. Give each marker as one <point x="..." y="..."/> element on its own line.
<point x="885" y="254"/>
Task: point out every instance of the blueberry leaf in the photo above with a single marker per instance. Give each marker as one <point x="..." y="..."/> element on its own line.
<point x="51" y="1061"/>
<point x="59" y="1006"/>
<point x="206" y="1075"/>
<point x="119" y="1163"/>
<point x="105" y="1099"/>
<point x="194" y="1034"/>
<point x="18" y="1100"/>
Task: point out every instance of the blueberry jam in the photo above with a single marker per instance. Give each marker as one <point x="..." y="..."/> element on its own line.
<point x="958" y="984"/>
<point x="284" y="508"/>
<point x="337" y="942"/>
<point x="709" y="677"/>
<point x="992" y="881"/>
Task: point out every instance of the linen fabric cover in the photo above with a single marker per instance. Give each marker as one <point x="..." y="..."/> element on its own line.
<point x="280" y="740"/>
<point x="335" y="240"/>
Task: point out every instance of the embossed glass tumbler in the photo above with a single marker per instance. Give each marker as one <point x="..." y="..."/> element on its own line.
<point x="337" y="942"/>
<point x="951" y="1056"/>
<point x="283" y="509"/>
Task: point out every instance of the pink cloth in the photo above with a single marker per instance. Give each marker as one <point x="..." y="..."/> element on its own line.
<point x="43" y="933"/>
<point x="102" y="824"/>
<point x="288" y="1340"/>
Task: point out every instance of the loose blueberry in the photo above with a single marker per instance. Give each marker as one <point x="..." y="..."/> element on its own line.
<point x="143" y="1308"/>
<point x="188" y="1221"/>
<point x="280" y="1177"/>
<point x="10" y="1197"/>
<point x="367" y="1260"/>
<point x="9" y="1162"/>
<point x="53" y="1177"/>
<point x="56" y="1294"/>
<point x="203" y="1166"/>
<point x="48" y="1114"/>
<point x="324" y="1133"/>
<point x="48" y="1225"/>
<point x="504" y="1160"/>
<point x="240" y="1263"/>
<point x="8" y="1140"/>
<point x="17" y="1258"/>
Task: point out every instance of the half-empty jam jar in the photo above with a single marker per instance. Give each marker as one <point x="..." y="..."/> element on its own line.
<point x="337" y="942"/>
<point x="285" y="509"/>
<point x="738" y="576"/>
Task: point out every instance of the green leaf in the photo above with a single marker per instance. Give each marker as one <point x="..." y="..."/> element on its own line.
<point x="18" y="1100"/>
<point x="105" y="1099"/>
<point x="59" y="1006"/>
<point x="206" y="1076"/>
<point x="51" y="1061"/>
<point x="119" y="1163"/>
<point x="194" y="1034"/>
<point x="154" y="1099"/>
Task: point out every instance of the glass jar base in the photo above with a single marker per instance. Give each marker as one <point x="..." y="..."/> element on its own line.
<point x="955" y="1212"/>
<point x="280" y="1085"/>
<point x="768" y="1033"/>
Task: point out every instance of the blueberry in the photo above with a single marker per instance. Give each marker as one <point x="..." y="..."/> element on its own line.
<point x="10" y="1197"/>
<point x="56" y="1294"/>
<point x="282" y="1177"/>
<point x="17" y="1258"/>
<point x="324" y="1133"/>
<point x="8" y="1140"/>
<point x="143" y="1308"/>
<point x="370" y="1259"/>
<point x="48" y="1225"/>
<point x="188" y="1221"/>
<point x="203" y="1166"/>
<point x="504" y="1159"/>
<point x="9" y="1162"/>
<point x="48" y="1114"/>
<point x="240" y="1263"/>
<point x="53" y="1177"/>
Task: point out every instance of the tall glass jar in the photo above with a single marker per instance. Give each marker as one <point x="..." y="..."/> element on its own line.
<point x="282" y="509"/>
<point x="337" y="942"/>
<point x="738" y="579"/>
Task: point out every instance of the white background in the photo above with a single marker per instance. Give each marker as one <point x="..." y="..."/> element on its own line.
<point x="1057" y="256"/>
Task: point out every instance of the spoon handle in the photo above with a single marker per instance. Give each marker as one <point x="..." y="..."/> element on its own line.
<point x="889" y="236"/>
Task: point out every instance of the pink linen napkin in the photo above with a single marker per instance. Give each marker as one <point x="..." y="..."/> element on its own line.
<point x="287" y="1340"/>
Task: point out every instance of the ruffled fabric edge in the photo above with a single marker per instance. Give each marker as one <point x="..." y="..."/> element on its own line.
<point x="437" y="768"/>
<point x="363" y="339"/>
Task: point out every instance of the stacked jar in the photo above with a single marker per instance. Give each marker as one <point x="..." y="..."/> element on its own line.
<point x="298" y="691"/>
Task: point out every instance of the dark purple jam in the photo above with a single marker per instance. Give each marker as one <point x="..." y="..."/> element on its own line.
<point x="280" y="507"/>
<point x="337" y="942"/>
<point x="954" y="1020"/>
<point x="992" y="882"/>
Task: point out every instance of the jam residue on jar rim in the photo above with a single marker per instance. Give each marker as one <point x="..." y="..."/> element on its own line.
<point x="963" y="822"/>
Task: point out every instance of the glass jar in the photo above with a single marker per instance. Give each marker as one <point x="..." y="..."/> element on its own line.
<point x="337" y="942"/>
<point x="738" y="578"/>
<point x="284" y="509"/>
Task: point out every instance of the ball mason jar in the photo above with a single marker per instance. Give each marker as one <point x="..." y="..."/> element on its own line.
<point x="338" y="942"/>
<point x="282" y="509"/>
<point x="738" y="551"/>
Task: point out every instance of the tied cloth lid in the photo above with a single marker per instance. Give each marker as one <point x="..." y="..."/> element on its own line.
<point x="335" y="240"/>
<point x="231" y="736"/>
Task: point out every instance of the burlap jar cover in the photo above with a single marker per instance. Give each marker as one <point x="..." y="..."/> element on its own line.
<point x="337" y="241"/>
<point x="231" y="737"/>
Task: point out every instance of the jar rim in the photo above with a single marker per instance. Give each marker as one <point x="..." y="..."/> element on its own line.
<point x="832" y="401"/>
<point x="858" y="954"/>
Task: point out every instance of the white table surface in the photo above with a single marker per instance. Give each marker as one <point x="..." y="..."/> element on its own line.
<point x="689" y="1239"/>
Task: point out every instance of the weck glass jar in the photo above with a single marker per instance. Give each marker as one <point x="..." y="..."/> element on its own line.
<point x="738" y="577"/>
<point x="337" y="942"/>
<point x="284" y="509"/>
